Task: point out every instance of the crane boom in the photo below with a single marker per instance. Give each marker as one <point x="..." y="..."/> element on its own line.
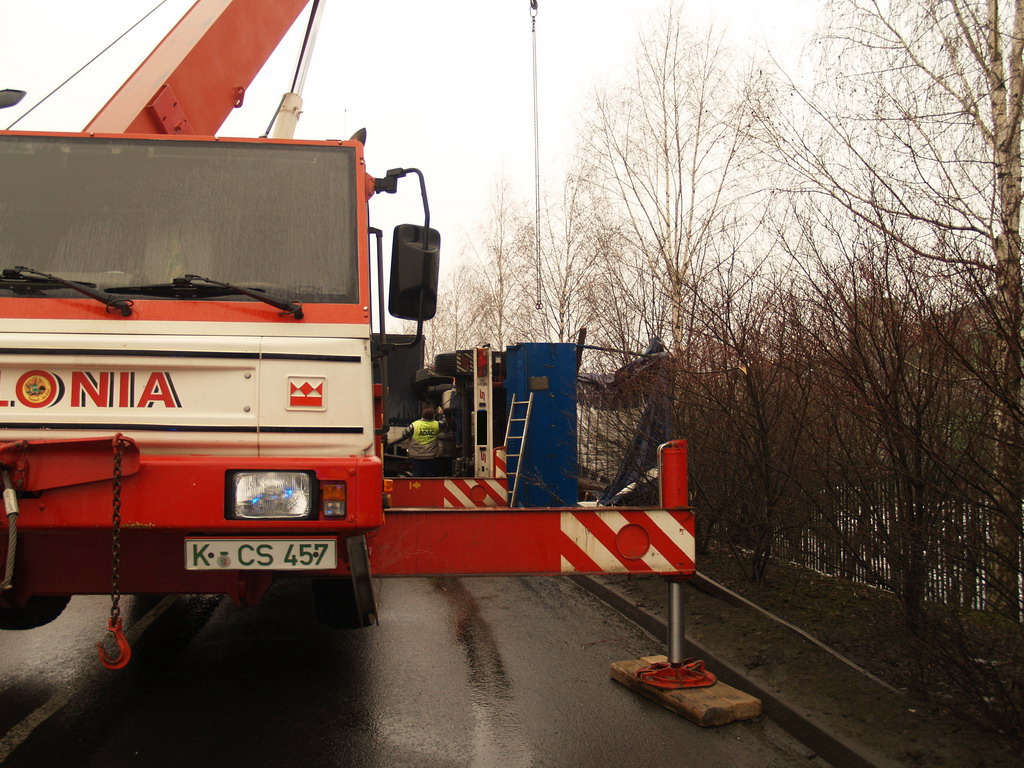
<point x="200" y="70"/>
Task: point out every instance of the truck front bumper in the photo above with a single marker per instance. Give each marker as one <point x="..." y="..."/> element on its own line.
<point x="65" y="524"/>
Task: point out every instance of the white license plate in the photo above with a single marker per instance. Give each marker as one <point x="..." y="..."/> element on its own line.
<point x="260" y="554"/>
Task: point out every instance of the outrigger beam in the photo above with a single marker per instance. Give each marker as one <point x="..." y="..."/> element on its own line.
<point x="550" y="540"/>
<point x="478" y="540"/>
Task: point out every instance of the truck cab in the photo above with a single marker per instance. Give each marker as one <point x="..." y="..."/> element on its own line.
<point x="208" y="299"/>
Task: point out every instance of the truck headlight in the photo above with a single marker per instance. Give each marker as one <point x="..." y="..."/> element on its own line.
<point x="270" y="495"/>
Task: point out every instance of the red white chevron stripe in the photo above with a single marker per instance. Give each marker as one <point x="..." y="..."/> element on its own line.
<point x="500" y="462"/>
<point x="469" y="492"/>
<point x="621" y="541"/>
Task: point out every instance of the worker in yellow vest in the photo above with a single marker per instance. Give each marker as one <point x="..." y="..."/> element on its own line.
<point x="423" y="446"/>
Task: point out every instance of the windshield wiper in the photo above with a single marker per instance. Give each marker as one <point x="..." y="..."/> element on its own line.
<point x="19" y="283"/>
<point x="186" y="288"/>
<point x="15" y="278"/>
<point x="179" y="288"/>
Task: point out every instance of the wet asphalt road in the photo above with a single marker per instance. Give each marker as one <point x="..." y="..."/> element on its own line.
<point x="461" y="672"/>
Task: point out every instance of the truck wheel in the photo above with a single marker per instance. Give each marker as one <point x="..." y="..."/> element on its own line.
<point x="445" y="363"/>
<point x="39" y="610"/>
<point x="336" y="605"/>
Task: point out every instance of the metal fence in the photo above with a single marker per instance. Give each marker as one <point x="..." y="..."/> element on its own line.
<point x="860" y="534"/>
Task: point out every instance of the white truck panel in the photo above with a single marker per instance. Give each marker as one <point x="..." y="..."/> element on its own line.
<point x="190" y="394"/>
<point x="315" y="397"/>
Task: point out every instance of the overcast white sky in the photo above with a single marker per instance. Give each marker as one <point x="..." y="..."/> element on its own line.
<point x="442" y="85"/>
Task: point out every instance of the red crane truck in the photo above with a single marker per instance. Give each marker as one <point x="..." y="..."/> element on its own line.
<point x="186" y="363"/>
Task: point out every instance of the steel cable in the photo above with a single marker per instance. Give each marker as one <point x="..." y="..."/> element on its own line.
<point x="11" y="505"/>
<point x="90" y="61"/>
<point x="536" y="157"/>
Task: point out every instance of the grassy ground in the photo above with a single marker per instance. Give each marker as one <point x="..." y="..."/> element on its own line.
<point x="931" y="722"/>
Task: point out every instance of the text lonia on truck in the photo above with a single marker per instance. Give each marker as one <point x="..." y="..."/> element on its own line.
<point x="100" y="389"/>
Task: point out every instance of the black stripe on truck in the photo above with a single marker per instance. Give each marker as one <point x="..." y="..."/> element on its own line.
<point x="181" y="428"/>
<point x="185" y="355"/>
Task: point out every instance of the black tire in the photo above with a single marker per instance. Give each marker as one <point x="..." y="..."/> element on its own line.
<point x="446" y="363"/>
<point x="335" y="602"/>
<point x="37" y="611"/>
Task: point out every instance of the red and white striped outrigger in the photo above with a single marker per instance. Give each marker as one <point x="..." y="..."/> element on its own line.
<point x="457" y="526"/>
<point x="471" y="536"/>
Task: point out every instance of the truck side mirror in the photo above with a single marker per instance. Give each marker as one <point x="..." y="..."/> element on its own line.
<point x="415" y="264"/>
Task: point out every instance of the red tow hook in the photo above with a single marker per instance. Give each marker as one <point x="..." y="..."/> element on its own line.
<point x="124" y="650"/>
<point x="690" y="674"/>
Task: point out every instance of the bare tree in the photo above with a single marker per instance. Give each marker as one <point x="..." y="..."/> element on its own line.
<point x="573" y="295"/>
<point x="915" y="132"/>
<point x="664" y="147"/>
<point x="455" y="324"/>
<point x="498" y="273"/>
<point x="738" y="384"/>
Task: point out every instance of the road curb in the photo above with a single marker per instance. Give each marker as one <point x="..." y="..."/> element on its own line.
<point x="827" y="745"/>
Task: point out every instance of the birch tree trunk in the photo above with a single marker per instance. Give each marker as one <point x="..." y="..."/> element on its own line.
<point x="1004" y="72"/>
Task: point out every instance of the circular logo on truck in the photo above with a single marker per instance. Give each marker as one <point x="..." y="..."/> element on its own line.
<point x="38" y="389"/>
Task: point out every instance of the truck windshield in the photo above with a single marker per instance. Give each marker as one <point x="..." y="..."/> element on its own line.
<point x="134" y="212"/>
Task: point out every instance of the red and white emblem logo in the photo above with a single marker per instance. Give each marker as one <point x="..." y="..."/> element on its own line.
<point x="307" y="392"/>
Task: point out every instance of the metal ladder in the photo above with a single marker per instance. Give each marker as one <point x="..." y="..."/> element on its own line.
<point x="516" y="436"/>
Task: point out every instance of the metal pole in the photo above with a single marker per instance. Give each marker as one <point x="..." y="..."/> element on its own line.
<point x="306" y="52"/>
<point x="291" y="103"/>
<point x="676" y="623"/>
<point x="672" y="484"/>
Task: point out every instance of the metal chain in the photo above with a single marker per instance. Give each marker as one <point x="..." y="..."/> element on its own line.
<point x="115" y="634"/>
<point x="115" y="592"/>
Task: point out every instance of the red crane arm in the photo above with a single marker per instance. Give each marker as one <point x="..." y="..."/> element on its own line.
<point x="200" y="70"/>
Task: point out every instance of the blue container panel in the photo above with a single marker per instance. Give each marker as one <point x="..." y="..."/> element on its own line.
<point x="549" y="463"/>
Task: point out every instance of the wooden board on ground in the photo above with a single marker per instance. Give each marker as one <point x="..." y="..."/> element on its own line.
<point x="716" y="704"/>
